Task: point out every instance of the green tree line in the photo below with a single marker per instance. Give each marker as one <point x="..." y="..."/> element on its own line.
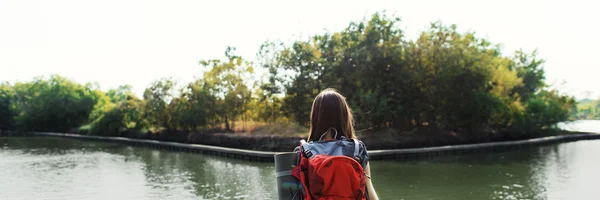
<point x="444" y="79"/>
<point x="587" y="109"/>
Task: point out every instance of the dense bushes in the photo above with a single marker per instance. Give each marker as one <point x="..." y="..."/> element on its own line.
<point x="442" y="80"/>
<point x="54" y="104"/>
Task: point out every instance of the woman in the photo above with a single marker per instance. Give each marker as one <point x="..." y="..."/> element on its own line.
<point x="330" y="118"/>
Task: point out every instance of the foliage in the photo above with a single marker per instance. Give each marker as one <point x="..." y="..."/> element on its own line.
<point x="444" y="79"/>
<point x="545" y="109"/>
<point x="157" y="98"/>
<point x="119" y="111"/>
<point x="225" y="81"/>
<point x="7" y="112"/>
<point x="587" y="109"/>
<point x="196" y="108"/>
<point x="53" y="104"/>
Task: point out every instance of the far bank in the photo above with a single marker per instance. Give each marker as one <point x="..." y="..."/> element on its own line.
<point x="268" y="156"/>
<point x="375" y="140"/>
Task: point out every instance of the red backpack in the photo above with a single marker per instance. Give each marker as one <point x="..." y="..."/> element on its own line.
<point x="332" y="169"/>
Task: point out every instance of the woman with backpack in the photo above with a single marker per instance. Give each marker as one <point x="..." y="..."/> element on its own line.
<point x="334" y="164"/>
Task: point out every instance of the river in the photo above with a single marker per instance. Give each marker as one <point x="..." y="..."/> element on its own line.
<point x="55" y="168"/>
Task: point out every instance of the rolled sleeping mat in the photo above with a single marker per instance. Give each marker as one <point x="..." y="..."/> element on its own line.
<point x="288" y="186"/>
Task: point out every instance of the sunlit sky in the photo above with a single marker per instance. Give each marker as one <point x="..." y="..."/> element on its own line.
<point x="117" y="42"/>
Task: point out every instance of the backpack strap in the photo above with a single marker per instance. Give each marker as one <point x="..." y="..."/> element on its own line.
<point x="305" y="149"/>
<point x="356" y="148"/>
<point x="334" y="137"/>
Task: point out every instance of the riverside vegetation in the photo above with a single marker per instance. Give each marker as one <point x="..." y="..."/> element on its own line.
<point x="444" y="87"/>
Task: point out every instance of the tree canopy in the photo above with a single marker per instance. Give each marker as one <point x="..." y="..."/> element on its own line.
<point x="444" y="79"/>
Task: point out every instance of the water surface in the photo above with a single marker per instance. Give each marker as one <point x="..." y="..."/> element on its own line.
<point x="55" y="168"/>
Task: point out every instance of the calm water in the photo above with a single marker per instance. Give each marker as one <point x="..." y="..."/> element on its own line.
<point x="52" y="168"/>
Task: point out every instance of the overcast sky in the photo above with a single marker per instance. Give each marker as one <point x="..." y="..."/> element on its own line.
<point x="117" y="42"/>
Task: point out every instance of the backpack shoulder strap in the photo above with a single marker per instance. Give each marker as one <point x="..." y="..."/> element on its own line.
<point x="360" y="152"/>
<point x="356" y="148"/>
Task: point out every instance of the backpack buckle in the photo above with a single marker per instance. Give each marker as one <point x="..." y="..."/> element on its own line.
<point x="307" y="153"/>
<point x="305" y="149"/>
<point x="358" y="159"/>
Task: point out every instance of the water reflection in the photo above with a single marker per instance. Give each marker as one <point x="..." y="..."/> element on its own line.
<point x="192" y="175"/>
<point x="483" y="176"/>
<point x="51" y="168"/>
<point x="565" y="171"/>
<point x="572" y="170"/>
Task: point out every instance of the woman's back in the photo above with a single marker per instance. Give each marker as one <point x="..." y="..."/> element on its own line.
<point x="332" y="138"/>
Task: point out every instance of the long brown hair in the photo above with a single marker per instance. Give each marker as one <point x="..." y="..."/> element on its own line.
<point x="330" y="111"/>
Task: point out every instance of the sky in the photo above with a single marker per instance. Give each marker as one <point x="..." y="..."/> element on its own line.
<point x="118" y="42"/>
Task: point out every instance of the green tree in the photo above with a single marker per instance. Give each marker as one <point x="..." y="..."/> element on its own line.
<point x="53" y="104"/>
<point x="196" y="107"/>
<point x="7" y="112"/>
<point x="226" y="81"/>
<point x="530" y="70"/>
<point x="157" y="98"/>
<point x="111" y="116"/>
<point x="444" y="79"/>
<point x="545" y="110"/>
<point x="121" y="93"/>
<point x="270" y="91"/>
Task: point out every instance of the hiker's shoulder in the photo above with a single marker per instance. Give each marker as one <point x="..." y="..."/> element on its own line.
<point x="361" y="144"/>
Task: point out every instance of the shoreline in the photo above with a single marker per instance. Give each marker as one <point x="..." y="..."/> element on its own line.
<point x="385" y="154"/>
